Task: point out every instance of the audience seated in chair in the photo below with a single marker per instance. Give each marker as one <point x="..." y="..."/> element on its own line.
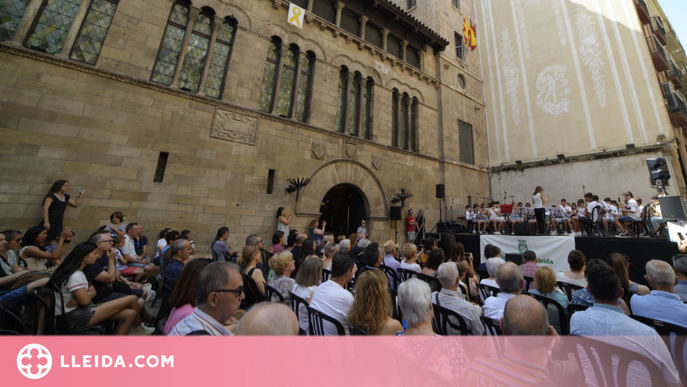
<point x="307" y="280"/>
<point x="371" y="310"/>
<point x="219" y="292"/>
<point x="680" y="266"/>
<point x="409" y="252"/>
<point x="331" y="298"/>
<point x="268" y="319"/>
<point x="129" y="253"/>
<point x="34" y="253"/>
<point x="76" y="300"/>
<point x="372" y="257"/>
<point x="511" y="284"/>
<point x="107" y="280"/>
<point x="530" y="266"/>
<point x="180" y="252"/>
<point x="606" y="322"/>
<point x="183" y="298"/>
<point x="450" y="298"/>
<point x="662" y="304"/>
<point x="283" y="265"/>
<point x="545" y="279"/>
<point x="527" y="356"/>
<point x="415" y="301"/>
<point x="493" y="265"/>
<point x="575" y="276"/>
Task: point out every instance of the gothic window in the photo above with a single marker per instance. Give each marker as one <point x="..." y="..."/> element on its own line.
<point x="303" y="100"/>
<point x="404" y="121"/>
<point x="93" y="31"/>
<point x="466" y="147"/>
<point x="196" y="53"/>
<point x="11" y="13"/>
<point x="353" y="105"/>
<point x="413" y="57"/>
<point x="55" y="19"/>
<point x="168" y="56"/>
<point x="413" y="125"/>
<point x="343" y="88"/>
<point x="220" y="59"/>
<point x="367" y="109"/>
<point x="288" y="77"/>
<point x="269" y="80"/>
<point x="394" y="118"/>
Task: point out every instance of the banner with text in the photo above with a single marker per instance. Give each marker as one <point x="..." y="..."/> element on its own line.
<point x="551" y="251"/>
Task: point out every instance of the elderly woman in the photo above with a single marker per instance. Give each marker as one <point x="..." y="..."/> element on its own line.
<point x="283" y="265"/>
<point x="409" y="252"/>
<point x="329" y="250"/>
<point x="371" y="310"/>
<point x="575" y="275"/>
<point x="415" y="301"/>
<point x="545" y="279"/>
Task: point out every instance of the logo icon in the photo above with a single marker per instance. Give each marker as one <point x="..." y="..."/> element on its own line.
<point x="34" y="361"/>
<point x="522" y="246"/>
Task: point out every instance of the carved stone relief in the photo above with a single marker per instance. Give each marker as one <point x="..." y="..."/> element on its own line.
<point x="234" y="126"/>
<point x="318" y="151"/>
<point x="377" y="163"/>
<point x="350" y="149"/>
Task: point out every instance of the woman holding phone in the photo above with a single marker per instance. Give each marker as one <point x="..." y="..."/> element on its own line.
<point x="54" y="204"/>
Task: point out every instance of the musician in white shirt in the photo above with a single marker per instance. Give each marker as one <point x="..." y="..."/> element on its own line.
<point x="611" y="212"/>
<point x="565" y="219"/>
<point x="516" y="217"/>
<point x="470" y="219"/>
<point x="497" y="221"/>
<point x="538" y="199"/>
<point x="632" y="210"/>
<point x="579" y="218"/>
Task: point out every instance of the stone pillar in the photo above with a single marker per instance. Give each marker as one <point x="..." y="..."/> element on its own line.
<point x="74" y="29"/>
<point x="351" y="78"/>
<point x="339" y="6"/>
<point x="25" y="24"/>
<point x="310" y="3"/>
<point x="385" y="33"/>
<point x="280" y="69"/>
<point x="363" y="22"/>
<point x="211" y="48"/>
<point x="361" y="102"/>
<point x="302" y="59"/>
<point x="192" y="17"/>
<point x="399" y="124"/>
<point x="404" y="44"/>
<point x="408" y="125"/>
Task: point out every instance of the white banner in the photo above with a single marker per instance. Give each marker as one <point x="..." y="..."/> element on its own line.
<point x="295" y="15"/>
<point x="551" y="251"/>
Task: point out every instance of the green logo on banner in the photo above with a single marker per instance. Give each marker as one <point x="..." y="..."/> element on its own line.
<point x="522" y="246"/>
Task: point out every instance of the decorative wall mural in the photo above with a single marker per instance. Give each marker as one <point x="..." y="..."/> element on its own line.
<point x="589" y="47"/>
<point x="511" y="73"/>
<point x="520" y="14"/>
<point x="556" y="4"/>
<point x="552" y="86"/>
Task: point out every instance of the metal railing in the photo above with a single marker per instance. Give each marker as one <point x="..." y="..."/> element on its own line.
<point x="657" y="27"/>
<point x="644" y="14"/>
<point x="655" y="47"/>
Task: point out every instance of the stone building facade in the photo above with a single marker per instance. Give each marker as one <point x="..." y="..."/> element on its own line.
<point x="578" y="97"/>
<point x="194" y="114"/>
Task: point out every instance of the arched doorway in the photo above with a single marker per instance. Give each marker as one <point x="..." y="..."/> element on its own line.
<point x="343" y="207"/>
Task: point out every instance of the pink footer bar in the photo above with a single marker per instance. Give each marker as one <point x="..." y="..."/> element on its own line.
<point x="302" y="361"/>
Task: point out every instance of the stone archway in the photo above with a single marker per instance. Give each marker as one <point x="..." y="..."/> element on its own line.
<point x="341" y="171"/>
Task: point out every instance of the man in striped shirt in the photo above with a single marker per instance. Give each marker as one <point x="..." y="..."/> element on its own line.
<point x="219" y="292"/>
<point x="524" y="362"/>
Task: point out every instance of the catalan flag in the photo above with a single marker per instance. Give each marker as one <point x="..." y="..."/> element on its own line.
<point x="470" y="33"/>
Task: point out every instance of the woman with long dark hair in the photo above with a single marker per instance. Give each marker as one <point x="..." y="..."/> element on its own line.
<point x="183" y="298"/>
<point x="220" y="250"/>
<point x="79" y="312"/>
<point x="372" y="309"/>
<point x="54" y="204"/>
<point x="33" y="250"/>
<point x="538" y="199"/>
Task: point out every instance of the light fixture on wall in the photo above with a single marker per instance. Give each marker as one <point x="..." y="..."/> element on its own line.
<point x="401" y="197"/>
<point x="518" y="163"/>
<point x="296" y="185"/>
<point x="660" y="138"/>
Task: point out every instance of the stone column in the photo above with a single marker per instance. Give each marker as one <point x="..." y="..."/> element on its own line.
<point x="361" y="103"/>
<point x="280" y="69"/>
<point x="385" y="33"/>
<point x="25" y="24"/>
<point x="302" y="59"/>
<point x="211" y="48"/>
<point x="351" y="78"/>
<point x="399" y="127"/>
<point x="363" y="22"/>
<point x="310" y="3"/>
<point x="404" y="44"/>
<point x="339" y="6"/>
<point x="192" y="17"/>
<point x="74" y="29"/>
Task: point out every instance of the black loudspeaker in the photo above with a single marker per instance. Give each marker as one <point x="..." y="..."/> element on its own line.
<point x="658" y="168"/>
<point x="395" y="213"/>
<point x="515" y="258"/>
<point x="522" y="228"/>
<point x="441" y="191"/>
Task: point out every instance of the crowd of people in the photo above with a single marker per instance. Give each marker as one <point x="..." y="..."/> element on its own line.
<point x="610" y="217"/>
<point x="357" y="285"/>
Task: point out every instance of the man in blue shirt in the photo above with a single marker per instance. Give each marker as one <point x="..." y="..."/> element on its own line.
<point x="680" y="265"/>
<point x="607" y="322"/>
<point x="181" y="250"/>
<point x="662" y="304"/>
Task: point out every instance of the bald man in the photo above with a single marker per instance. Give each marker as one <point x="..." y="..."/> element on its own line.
<point x="662" y="304"/>
<point x="268" y="319"/>
<point x="526" y="358"/>
<point x="511" y="284"/>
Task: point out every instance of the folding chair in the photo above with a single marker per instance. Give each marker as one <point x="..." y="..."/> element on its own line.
<point x="355" y="331"/>
<point x="316" y="320"/>
<point x="486" y="291"/>
<point x="406" y="274"/>
<point x="568" y="288"/>
<point x="272" y="294"/>
<point x="391" y="275"/>
<point x="445" y="318"/>
<point x="562" y="316"/>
